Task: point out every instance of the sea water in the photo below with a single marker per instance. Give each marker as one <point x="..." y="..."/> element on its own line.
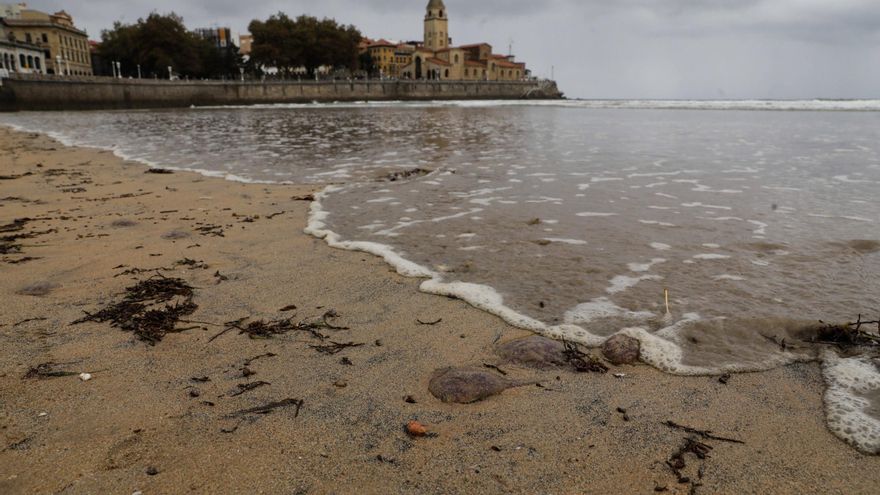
<point x="574" y="219"/>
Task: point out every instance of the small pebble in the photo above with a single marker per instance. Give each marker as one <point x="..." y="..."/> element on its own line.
<point x="85" y="377"/>
<point x="416" y="429"/>
<point x="152" y="471"/>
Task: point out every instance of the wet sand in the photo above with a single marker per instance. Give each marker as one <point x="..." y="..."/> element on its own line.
<point x="98" y="216"/>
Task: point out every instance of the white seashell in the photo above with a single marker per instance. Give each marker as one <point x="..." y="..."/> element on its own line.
<point x="85" y="377"/>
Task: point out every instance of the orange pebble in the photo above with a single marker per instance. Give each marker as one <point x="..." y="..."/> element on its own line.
<point x="416" y="429"/>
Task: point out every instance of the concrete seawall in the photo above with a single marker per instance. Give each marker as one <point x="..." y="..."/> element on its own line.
<point x="71" y="93"/>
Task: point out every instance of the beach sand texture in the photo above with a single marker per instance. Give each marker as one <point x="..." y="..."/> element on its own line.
<point x="142" y="423"/>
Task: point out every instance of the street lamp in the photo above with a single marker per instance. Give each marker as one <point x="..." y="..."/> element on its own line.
<point x="170" y="74"/>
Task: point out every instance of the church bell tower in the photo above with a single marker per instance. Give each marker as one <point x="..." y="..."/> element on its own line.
<point x="436" y="26"/>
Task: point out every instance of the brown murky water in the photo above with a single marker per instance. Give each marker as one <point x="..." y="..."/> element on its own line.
<point x="573" y="220"/>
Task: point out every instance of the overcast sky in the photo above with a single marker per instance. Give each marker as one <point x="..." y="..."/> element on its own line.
<point x="602" y="48"/>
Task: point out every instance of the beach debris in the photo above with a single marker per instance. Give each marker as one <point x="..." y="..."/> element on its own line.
<point x="704" y="434"/>
<point x="677" y="463"/>
<point x="534" y="221"/>
<point x="620" y="375"/>
<point x="334" y="347"/>
<point x="151" y="471"/>
<point x="340" y="384"/>
<point x="28" y="320"/>
<point x="124" y="222"/>
<point x="243" y="388"/>
<point x="582" y="362"/>
<point x="847" y="335"/>
<point x="346" y="362"/>
<point x="272" y="406"/>
<point x="220" y="277"/>
<point x="416" y="429"/>
<point x="141" y="310"/>
<point x="534" y="351"/>
<point x="85" y="376"/>
<point x="161" y="171"/>
<point x="409" y="399"/>
<point x="304" y="197"/>
<point x="37" y="289"/>
<point x="621" y="349"/>
<point x="47" y="370"/>
<point x="468" y="385"/>
<point x="15" y="226"/>
<point x="430" y="323"/>
<point x="262" y="329"/>
<point x="494" y="367"/>
<point x="286" y="309"/>
<point x="407" y="174"/>
<point x="192" y="264"/>
<point x="261" y="356"/>
<point x="17" y="176"/>
<point x="175" y="234"/>
<point x="210" y="229"/>
<point x="624" y="413"/>
<point x="723" y="379"/>
<point x="20" y="260"/>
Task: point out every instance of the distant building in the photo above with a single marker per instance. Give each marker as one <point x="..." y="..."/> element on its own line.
<point x="21" y="58"/>
<point x="437" y="58"/>
<point x="219" y="37"/>
<point x="389" y="57"/>
<point x="64" y="48"/>
<point x="245" y="42"/>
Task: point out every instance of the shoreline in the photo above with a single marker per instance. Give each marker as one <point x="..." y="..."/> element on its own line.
<point x="137" y="412"/>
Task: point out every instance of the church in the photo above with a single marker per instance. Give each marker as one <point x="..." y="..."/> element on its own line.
<point x="435" y="58"/>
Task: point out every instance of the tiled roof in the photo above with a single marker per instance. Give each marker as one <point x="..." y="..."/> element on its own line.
<point x="474" y="63"/>
<point x="438" y="61"/>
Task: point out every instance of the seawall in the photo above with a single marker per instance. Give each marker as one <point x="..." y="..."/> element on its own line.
<point x="28" y="92"/>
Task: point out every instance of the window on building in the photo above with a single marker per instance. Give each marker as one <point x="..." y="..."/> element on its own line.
<point x="22" y="61"/>
<point x="456" y="58"/>
<point x="447" y="73"/>
<point x="27" y="38"/>
<point x="441" y="13"/>
<point x="45" y="38"/>
<point x="30" y="61"/>
<point x="37" y="63"/>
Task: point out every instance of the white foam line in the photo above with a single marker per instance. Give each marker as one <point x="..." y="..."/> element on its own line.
<point x="69" y="142"/>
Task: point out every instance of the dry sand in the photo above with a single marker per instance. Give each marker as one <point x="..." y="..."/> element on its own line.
<point x="104" y="216"/>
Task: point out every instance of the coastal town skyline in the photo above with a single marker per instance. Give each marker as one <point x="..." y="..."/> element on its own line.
<point x="680" y="50"/>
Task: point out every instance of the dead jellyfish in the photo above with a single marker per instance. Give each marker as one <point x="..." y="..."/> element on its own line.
<point x="467" y="385"/>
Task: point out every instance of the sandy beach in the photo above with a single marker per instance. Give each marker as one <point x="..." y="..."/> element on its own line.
<point x="178" y="416"/>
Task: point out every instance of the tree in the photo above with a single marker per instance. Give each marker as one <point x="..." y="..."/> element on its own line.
<point x="162" y="41"/>
<point x="288" y="44"/>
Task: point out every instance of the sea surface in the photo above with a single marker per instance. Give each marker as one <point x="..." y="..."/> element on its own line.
<point x="710" y="231"/>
